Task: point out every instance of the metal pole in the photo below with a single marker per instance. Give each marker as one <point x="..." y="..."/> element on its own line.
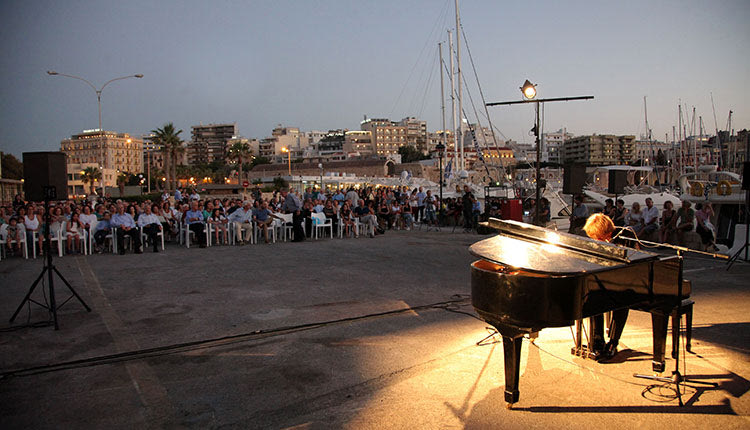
<point x="442" y="99"/>
<point x="538" y="167"/>
<point x="453" y="101"/>
<point x="440" y="164"/>
<point x="460" y="86"/>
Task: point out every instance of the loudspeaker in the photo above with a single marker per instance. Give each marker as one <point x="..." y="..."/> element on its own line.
<point x="618" y="179"/>
<point x="746" y="175"/>
<point x="44" y="169"/>
<point x="574" y="178"/>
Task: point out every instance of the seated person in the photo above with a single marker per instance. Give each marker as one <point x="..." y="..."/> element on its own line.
<point x="683" y="221"/>
<point x="600" y="227"/>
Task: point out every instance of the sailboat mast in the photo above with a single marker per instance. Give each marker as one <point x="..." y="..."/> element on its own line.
<point x="453" y="102"/>
<point x="695" y="143"/>
<point x="648" y="131"/>
<point x="460" y="86"/>
<point x="716" y="127"/>
<point x="442" y="98"/>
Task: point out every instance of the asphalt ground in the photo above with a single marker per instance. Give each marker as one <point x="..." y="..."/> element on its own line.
<point x="355" y="333"/>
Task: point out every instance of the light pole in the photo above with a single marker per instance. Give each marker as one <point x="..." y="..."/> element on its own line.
<point x="289" y="160"/>
<point x="440" y="148"/>
<point x="98" y="98"/>
<point x="320" y="166"/>
<point x="529" y="93"/>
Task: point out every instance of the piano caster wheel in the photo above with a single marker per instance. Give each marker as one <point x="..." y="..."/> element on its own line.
<point x="509" y="406"/>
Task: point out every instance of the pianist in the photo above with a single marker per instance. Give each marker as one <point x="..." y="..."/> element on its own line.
<point x="600" y="227"/>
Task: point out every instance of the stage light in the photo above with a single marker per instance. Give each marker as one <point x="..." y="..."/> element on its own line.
<point x="529" y="90"/>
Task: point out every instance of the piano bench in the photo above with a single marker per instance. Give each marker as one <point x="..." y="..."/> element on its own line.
<point x="686" y="308"/>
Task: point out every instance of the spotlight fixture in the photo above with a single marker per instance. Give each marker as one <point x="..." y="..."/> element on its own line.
<point x="529" y="90"/>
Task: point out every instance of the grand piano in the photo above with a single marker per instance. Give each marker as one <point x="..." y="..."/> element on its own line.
<point x="528" y="278"/>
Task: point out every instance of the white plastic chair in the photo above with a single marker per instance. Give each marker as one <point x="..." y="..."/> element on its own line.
<point x="187" y="232"/>
<point x="321" y="222"/>
<point x="82" y="241"/>
<point x="111" y="236"/>
<point x="360" y="226"/>
<point x="144" y="236"/>
<point x="271" y="231"/>
<point x="288" y="228"/>
<point x="57" y="235"/>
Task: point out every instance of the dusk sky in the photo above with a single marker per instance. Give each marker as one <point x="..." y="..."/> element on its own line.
<point x="323" y="64"/>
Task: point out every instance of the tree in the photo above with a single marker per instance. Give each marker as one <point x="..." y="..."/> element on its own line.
<point x="89" y="176"/>
<point x="239" y="151"/>
<point x="122" y="179"/>
<point x="11" y="167"/>
<point x="260" y="160"/>
<point x="410" y="154"/>
<point x="172" y="146"/>
<point x="280" y="183"/>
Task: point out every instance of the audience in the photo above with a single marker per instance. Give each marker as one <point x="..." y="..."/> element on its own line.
<point x="377" y="208"/>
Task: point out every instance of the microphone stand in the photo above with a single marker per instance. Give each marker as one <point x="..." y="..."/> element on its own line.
<point x="677" y="378"/>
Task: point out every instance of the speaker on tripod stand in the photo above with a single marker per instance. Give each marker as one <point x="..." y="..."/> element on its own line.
<point x="45" y="174"/>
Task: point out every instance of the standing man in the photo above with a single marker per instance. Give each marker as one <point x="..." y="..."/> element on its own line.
<point x="126" y="227"/>
<point x="420" y="204"/>
<point x="194" y="219"/>
<point x="468" y="206"/>
<point x="293" y="205"/>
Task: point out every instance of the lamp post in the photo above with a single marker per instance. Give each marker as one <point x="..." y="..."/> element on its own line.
<point x="529" y="93"/>
<point x="320" y="166"/>
<point x="98" y="99"/>
<point x="440" y="148"/>
<point x="289" y="160"/>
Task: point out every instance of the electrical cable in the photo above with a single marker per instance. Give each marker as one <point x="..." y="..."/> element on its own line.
<point x="219" y="341"/>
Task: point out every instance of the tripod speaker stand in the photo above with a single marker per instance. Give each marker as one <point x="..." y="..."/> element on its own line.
<point x="50" y="193"/>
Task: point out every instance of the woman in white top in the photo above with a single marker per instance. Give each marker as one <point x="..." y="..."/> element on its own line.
<point x="219" y="224"/>
<point x="73" y="233"/>
<point x="33" y="223"/>
<point x="634" y="218"/>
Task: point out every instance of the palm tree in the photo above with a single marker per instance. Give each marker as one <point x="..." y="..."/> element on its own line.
<point x="239" y="151"/>
<point x="170" y="139"/>
<point x="91" y="175"/>
<point x="122" y="179"/>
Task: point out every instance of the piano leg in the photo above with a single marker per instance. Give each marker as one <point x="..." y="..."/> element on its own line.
<point x="512" y="359"/>
<point x="659" y="322"/>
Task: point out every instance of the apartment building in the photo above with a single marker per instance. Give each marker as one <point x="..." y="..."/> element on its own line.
<point x="108" y="149"/>
<point x="599" y="150"/>
<point x="208" y="143"/>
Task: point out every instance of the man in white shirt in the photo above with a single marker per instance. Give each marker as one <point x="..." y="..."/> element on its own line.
<point x="650" y="217"/>
<point x="126" y="227"/>
<point x="150" y="224"/>
<point x="87" y="218"/>
<point x="243" y="222"/>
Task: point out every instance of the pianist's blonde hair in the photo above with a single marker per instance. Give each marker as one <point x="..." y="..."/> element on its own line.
<point x="599" y="227"/>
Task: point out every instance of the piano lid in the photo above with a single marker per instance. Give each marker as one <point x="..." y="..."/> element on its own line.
<point x="536" y="249"/>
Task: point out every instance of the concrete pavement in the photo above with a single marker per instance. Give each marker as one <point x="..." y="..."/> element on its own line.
<point x="355" y="333"/>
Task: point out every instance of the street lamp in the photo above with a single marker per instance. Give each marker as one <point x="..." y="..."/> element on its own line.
<point x="289" y="159"/>
<point x="440" y="148"/>
<point x="98" y="99"/>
